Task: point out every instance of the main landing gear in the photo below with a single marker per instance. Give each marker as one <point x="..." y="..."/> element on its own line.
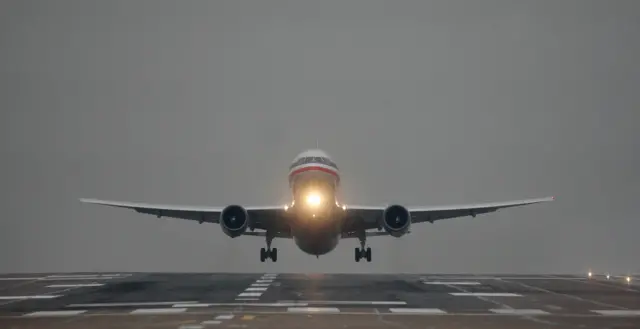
<point x="268" y="252"/>
<point x="362" y="252"/>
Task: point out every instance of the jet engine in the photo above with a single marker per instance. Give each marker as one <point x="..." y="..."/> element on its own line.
<point x="396" y="220"/>
<point x="234" y="220"/>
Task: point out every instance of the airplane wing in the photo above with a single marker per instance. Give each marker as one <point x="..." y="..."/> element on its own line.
<point x="367" y="217"/>
<point x="262" y="218"/>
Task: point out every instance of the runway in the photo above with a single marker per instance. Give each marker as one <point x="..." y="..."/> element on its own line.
<point x="270" y="300"/>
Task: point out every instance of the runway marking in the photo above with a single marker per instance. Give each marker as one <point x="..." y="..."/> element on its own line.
<point x="158" y="311"/>
<point x="248" y="317"/>
<point x="256" y="289"/>
<point x="313" y="310"/>
<point x="249" y="299"/>
<point x="224" y="317"/>
<point x="455" y="283"/>
<point x="417" y="310"/>
<point x="79" y="278"/>
<point x="239" y="304"/>
<point x="210" y="322"/>
<point x="75" y="285"/>
<point x="345" y="302"/>
<point x="131" y="304"/>
<point x="485" y="294"/>
<point x="29" y="297"/>
<point x="518" y="311"/>
<point x="250" y="294"/>
<point x="190" y="326"/>
<point x="264" y="281"/>
<point x="260" y="284"/>
<point x="20" y="279"/>
<point x="85" y="275"/>
<point x="618" y="312"/>
<point x="564" y="295"/>
<point x="54" y="313"/>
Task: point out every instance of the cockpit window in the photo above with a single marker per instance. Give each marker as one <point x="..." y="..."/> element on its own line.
<point x="321" y="160"/>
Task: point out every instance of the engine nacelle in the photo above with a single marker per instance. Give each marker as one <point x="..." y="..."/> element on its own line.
<point x="234" y="220"/>
<point x="396" y="220"/>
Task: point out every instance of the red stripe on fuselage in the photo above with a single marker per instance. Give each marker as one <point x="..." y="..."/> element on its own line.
<point x="316" y="168"/>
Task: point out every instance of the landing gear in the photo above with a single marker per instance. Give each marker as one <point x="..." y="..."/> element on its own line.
<point x="362" y="252"/>
<point x="268" y="252"/>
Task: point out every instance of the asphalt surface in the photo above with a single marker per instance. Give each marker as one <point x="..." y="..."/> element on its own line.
<point x="271" y="300"/>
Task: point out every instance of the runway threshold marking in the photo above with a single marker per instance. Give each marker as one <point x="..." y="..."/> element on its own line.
<point x="258" y="287"/>
<point x="417" y="310"/>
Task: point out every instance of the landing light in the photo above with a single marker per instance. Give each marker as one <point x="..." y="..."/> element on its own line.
<point x="628" y="279"/>
<point x="313" y="199"/>
<point x="590" y="274"/>
<point x="608" y="276"/>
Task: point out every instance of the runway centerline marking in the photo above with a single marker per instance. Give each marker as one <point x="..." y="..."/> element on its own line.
<point x="132" y="304"/>
<point x="29" y="297"/>
<point x="345" y="302"/>
<point x="75" y="285"/>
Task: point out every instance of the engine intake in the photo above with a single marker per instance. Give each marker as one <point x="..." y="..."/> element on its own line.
<point x="396" y="220"/>
<point x="234" y="220"/>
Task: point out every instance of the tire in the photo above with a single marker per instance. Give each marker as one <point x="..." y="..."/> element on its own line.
<point x="368" y="254"/>
<point x="357" y="254"/>
<point x="263" y="255"/>
<point x="274" y="254"/>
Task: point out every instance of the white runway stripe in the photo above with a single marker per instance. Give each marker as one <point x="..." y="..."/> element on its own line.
<point x="264" y="281"/>
<point x="345" y="302"/>
<point x="518" y="311"/>
<point x="618" y="312"/>
<point x="260" y="284"/>
<point x="313" y="310"/>
<point x="75" y="285"/>
<point x="247" y="299"/>
<point x="417" y="310"/>
<point x="210" y="322"/>
<point x="256" y="289"/>
<point x="54" y="313"/>
<point x="224" y="317"/>
<point x="453" y="283"/>
<point x="250" y="294"/>
<point x="20" y="279"/>
<point x="190" y="305"/>
<point x="486" y="294"/>
<point x="158" y="311"/>
<point x="29" y="297"/>
<point x="93" y="278"/>
<point x="132" y="304"/>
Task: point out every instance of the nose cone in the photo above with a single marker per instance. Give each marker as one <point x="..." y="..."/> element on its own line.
<point x="312" y="153"/>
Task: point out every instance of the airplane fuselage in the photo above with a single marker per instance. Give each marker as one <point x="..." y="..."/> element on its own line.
<point x="317" y="216"/>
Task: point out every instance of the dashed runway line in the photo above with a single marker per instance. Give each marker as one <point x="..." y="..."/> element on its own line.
<point x="485" y="294"/>
<point x="54" y="313"/>
<point x="257" y="288"/>
<point x="518" y="311"/>
<point x="158" y="311"/>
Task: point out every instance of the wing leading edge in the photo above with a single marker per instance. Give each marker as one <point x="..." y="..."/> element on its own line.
<point x="262" y="218"/>
<point x="367" y="217"/>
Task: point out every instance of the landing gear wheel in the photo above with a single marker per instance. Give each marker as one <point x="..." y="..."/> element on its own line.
<point x="263" y="254"/>
<point x="274" y="254"/>
<point x="358" y="254"/>
<point x="368" y="254"/>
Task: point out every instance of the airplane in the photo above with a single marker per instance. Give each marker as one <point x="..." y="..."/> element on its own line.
<point x="315" y="219"/>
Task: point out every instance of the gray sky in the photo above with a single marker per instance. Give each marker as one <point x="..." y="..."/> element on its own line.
<point x="419" y="102"/>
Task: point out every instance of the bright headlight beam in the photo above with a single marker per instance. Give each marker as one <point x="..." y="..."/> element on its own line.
<point x="313" y="199"/>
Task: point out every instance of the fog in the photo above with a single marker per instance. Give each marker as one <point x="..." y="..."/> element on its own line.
<point x="418" y="102"/>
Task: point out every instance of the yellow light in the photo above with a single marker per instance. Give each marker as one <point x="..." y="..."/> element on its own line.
<point x="590" y="274"/>
<point x="313" y="199"/>
<point x="628" y="279"/>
